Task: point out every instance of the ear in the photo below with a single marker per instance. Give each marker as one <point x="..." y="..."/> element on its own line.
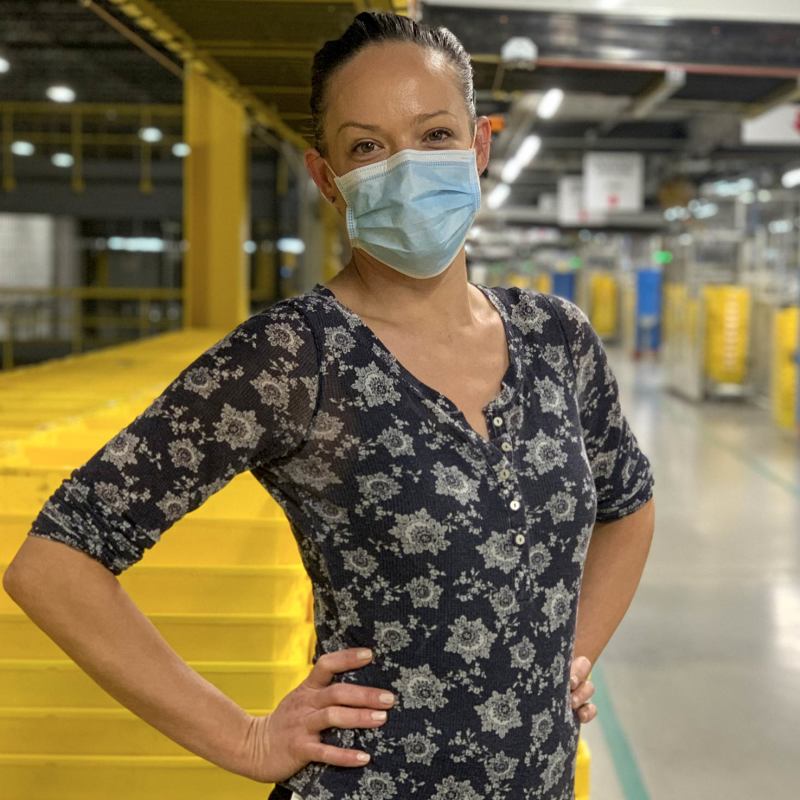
<point x="321" y="175"/>
<point x="483" y="143"/>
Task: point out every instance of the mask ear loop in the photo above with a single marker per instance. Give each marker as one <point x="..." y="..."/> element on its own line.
<point x="331" y="199"/>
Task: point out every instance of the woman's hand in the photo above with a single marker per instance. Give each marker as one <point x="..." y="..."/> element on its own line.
<point x="582" y="689"/>
<point x="283" y="742"/>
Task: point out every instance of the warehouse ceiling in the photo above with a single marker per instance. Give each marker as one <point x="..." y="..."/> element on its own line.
<point x="614" y="71"/>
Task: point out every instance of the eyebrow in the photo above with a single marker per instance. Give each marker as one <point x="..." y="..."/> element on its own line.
<point x="418" y="118"/>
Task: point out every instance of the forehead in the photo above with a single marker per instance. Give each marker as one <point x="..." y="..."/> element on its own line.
<point x="390" y="82"/>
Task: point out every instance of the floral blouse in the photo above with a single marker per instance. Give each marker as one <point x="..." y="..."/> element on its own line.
<point x="458" y="560"/>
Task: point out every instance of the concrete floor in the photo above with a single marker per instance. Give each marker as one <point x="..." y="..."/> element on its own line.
<point x="699" y="689"/>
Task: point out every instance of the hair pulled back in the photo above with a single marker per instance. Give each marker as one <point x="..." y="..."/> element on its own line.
<point x="371" y="27"/>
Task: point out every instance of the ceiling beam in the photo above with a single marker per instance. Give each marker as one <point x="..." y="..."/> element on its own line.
<point x="785" y="94"/>
<point x="148" y="16"/>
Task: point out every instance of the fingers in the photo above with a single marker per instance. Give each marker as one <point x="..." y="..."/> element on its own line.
<point x="579" y="672"/>
<point x="345" y="717"/>
<point x="341" y="756"/>
<point x="582" y="694"/>
<point x="330" y="664"/>
<point x="353" y="694"/>
<point x="587" y="713"/>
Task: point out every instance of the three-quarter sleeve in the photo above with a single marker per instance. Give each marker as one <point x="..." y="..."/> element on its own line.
<point x="248" y="400"/>
<point x="622" y="472"/>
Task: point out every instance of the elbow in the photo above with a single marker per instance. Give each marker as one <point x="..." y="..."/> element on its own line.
<point x="11" y="582"/>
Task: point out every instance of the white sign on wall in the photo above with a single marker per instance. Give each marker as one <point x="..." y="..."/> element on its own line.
<point x="613" y="182"/>
<point x="781" y="125"/>
<point x="570" y="201"/>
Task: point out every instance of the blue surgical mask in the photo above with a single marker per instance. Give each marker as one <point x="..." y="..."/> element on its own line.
<point x="413" y="210"/>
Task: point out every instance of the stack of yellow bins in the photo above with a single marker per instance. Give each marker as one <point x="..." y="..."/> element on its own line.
<point x="603" y="303"/>
<point x="727" y="333"/>
<point x="786" y="367"/>
<point x="225" y="586"/>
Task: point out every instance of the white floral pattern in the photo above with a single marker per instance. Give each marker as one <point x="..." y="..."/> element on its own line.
<point x="457" y="559"/>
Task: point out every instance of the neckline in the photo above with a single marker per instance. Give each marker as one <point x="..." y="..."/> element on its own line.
<point x="508" y="383"/>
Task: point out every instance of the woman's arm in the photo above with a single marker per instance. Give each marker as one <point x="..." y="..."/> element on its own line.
<point x="615" y="561"/>
<point x="81" y="605"/>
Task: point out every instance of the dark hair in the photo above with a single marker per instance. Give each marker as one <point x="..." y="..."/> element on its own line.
<point x="370" y="27"/>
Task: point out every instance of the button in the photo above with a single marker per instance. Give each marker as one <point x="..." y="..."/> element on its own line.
<point x="514" y="504"/>
<point x="498" y="421"/>
<point x="519" y="538"/>
<point x="505" y="446"/>
<point x="504" y="473"/>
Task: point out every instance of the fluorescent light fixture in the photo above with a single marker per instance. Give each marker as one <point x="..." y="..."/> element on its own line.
<point x="675" y="213"/>
<point x="62" y="159"/>
<point x="61" y="94"/>
<point x="733" y="188"/>
<point x="550" y="103"/>
<point x="780" y="226"/>
<point x="791" y="179"/>
<point x="181" y="149"/>
<point x="21" y="148"/>
<point x="151" y="135"/>
<point x="291" y="244"/>
<point x="706" y="210"/>
<point x="4" y="65"/>
<point x="527" y="150"/>
<point x="250" y="247"/>
<point x="136" y="244"/>
<point x="511" y="170"/>
<point x="498" y="195"/>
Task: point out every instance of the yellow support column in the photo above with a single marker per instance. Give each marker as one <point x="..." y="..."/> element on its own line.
<point x="216" y="206"/>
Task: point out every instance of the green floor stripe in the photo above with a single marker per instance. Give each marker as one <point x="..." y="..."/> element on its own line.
<point x="625" y="764"/>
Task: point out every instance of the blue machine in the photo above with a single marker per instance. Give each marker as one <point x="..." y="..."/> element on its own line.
<point x="648" y="309"/>
<point x="564" y="285"/>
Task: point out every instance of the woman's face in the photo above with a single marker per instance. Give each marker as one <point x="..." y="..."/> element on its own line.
<point x="389" y="97"/>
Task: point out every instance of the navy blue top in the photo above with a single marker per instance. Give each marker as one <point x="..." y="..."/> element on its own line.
<point x="457" y="560"/>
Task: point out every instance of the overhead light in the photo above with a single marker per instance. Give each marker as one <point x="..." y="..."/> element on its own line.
<point x="527" y="150"/>
<point x="675" y="213"/>
<point x="151" y="135"/>
<point x="291" y="244"/>
<point x="181" y="149"/>
<point x="764" y="196"/>
<point x="706" y="210"/>
<point x="733" y="188"/>
<point x="62" y="159"/>
<point x="511" y="170"/>
<point x="61" y="94"/>
<point x="748" y="197"/>
<point x="791" y="179"/>
<point x="519" y="52"/>
<point x="4" y="65"/>
<point x="136" y="244"/>
<point x="498" y="195"/>
<point x="550" y="103"/>
<point x="780" y="226"/>
<point x="21" y="148"/>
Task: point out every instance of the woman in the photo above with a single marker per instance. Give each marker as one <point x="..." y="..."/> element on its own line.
<point x="442" y="450"/>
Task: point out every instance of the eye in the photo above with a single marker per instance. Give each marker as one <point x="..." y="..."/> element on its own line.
<point x="441" y="130"/>
<point x="365" y="152"/>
